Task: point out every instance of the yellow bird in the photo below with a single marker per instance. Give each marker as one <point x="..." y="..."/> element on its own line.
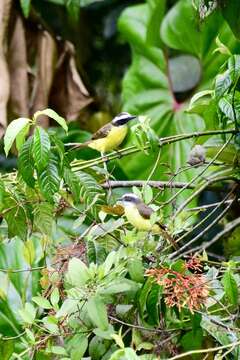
<point x="111" y="135"/>
<point x="138" y="214"/>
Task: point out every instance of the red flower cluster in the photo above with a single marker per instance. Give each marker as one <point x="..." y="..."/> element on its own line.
<point x="182" y="289"/>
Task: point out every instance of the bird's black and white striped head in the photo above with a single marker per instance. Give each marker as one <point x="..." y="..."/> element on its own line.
<point x="122" y="119"/>
<point x="130" y="198"/>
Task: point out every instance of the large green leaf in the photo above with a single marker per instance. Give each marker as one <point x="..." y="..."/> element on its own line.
<point x="97" y="312"/>
<point x="49" y="180"/>
<point x="14" y="129"/>
<point x="231" y="12"/>
<point x="147" y="85"/>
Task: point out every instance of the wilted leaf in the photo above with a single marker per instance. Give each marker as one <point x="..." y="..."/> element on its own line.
<point x="114" y="210"/>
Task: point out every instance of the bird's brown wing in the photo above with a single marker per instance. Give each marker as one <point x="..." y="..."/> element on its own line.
<point x="144" y="210"/>
<point x="102" y="132"/>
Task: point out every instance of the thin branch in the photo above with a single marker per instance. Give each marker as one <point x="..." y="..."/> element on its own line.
<point x="197" y="176"/>
<point x="140" y="183"/>
<point x="215" y="221"/>
<point x="204" y="351"/>
<point x="80" y="165"/>
<point x="206" y="229"/>
<point x="155" y="184"/>
<point x="140" y="327"/>
<point x="229" y="227"/>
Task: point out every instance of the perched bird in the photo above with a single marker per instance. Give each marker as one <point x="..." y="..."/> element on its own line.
<point x="138" y="214"/>
<point x="111" y="135"/>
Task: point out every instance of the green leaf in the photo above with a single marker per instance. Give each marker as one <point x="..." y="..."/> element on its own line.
<point x="43" y="217"/>
<point x="231" y="12"/>
<point x="25" y="5"/>
<point x="98" y="347"/>
<point x="54" y="297"/>
<point x="26" y="164"/>
<point x="58" y="350"/>
<point x="234" y="67"/>
<point x="13" y="129"/>
<point x="72" y="180"/>
<point x="20" y="138"/>
<point x="78" y="346"/>
<point x="15" y="216"/>
<point x="88" y="191"/>
<point x="6" y="349"/>
<point x="209" y="324"/>
<point x="97" y="312"/>
<point x="226" y="106"/>
<point x="77" y="274"/>
<point x="192" y="340"/>
<point x="29" y="252"/>
<point x="136" y="270"/>
<point x="223" y="83"/>
<point x="143" y="295"/>
<point x="152" y="304"/>
<point x="119" y="286"/>
<point x="53" y="115"/>
<point x="42" y="302"/>
<point x="230" y="287"/>
<point x="41" y="148"/>
<point x="49" y="180"/>
<point x="180" y="29"/>
<point x="28" y="313"/>
<point x="124" y="354"/>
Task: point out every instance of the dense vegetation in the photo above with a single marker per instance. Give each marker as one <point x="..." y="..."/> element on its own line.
<point x="77" y="281"/>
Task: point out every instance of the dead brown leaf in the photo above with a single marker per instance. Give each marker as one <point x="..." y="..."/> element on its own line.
<point x="114" y="210"/>
<point x="69" y="94"/>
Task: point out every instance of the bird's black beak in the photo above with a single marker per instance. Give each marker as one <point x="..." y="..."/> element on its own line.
<point x="131" y="117"/>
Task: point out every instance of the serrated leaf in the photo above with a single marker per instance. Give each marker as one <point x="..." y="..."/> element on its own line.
<point x="25" y="163"/>
<point x="42" y="302"/>
<point x="13" y="129"/>
<point x="53" y="115"/>
<point x="49" y="180"/>
<point x="43" y="217"/>
<point x="90" y="193"/>
<point x="97" y="312"/>
<point x="41" y="148"/>
<point x="230" y="287"/>
<point x="72" y="181"/>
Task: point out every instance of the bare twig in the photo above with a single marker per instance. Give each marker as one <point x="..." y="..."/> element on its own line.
<point x="229" y="227"/>
<point x="204" y="351"/>
<point x="80" y="165"/>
